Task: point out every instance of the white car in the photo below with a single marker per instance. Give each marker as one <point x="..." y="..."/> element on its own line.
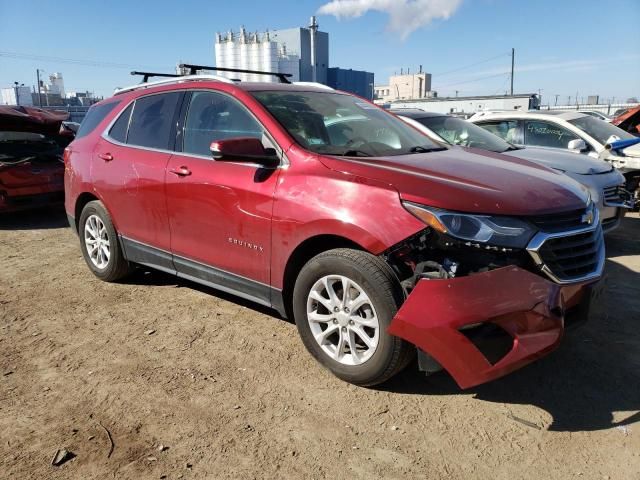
<point x="596" y="114"/>
<point x="573" y="131"/>
<point x="604" y="182"/>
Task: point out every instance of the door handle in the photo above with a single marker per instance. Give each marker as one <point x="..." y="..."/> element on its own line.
<point x="181" y="171"/>
<point x="107" y="157"/>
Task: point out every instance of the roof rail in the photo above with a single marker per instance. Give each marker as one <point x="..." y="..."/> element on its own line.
<point x="314" y="84"/>
<point x="193" y="69"/>
<point x="174" y="79"/>
<point x="147" y="75"/>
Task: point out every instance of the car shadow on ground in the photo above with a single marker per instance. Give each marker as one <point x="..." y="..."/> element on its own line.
<point x="40" y="219"/>
<point x="150" y="277"/>
<point x="592" y="379"/>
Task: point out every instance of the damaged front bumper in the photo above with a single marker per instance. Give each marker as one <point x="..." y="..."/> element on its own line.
<point x="529" y="310"/>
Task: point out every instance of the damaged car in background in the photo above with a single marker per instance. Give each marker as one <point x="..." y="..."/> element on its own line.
<point x="377" y="241"/>
<point x="605" y="183"/>
<point x="32" y="143"/>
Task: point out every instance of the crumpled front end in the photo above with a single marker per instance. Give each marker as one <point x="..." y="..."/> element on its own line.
<point x="530" y="311"/>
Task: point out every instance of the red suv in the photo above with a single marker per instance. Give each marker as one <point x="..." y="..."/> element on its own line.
<point x="377" y="241"/>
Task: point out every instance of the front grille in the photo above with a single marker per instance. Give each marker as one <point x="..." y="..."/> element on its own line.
<point x="559" y="222"/>
<point x="574" y="256"/>
<point x="615" y="196"/>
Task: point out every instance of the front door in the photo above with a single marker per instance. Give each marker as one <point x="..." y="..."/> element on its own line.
<point x="220" y="212"/>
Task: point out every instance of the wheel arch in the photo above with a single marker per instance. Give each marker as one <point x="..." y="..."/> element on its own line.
<point x="304" y="252"/>
<point x="81" y="202"/>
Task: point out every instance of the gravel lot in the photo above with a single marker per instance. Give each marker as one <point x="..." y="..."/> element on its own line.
<point x="227" y="388"/>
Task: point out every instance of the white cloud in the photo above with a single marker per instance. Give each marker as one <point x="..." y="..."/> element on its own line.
<point x="405" y="16"/>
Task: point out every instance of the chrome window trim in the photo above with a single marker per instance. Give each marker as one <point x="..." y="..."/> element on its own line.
<point x="284" y="161"/>
<point x="539" y="239"/>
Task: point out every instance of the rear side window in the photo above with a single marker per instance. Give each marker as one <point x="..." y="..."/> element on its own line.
<point x="94" y="116"/>
<point x="545" y="134"/>
<point x="152" y="119"/>
<point x="119" y="130"/>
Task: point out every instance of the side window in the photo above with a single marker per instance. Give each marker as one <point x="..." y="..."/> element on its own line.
<point x="545" y="134"/>
<point x="94" y="116"/>
<point x="119" y="129"/>
<point x="151" y="120"/>
<point x="505" y="129"/>
<point x="213" y="116"/>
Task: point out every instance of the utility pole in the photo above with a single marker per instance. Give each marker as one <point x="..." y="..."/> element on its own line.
<point x="513" y="58"/>
<point x="39" y="94"/>
<point x="557" y="99"/>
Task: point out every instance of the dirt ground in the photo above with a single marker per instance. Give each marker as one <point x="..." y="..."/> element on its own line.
<point x="114" y="371"/>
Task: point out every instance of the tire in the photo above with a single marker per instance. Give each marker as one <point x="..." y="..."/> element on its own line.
<point x="342" y="347"/>
<point x="112" y="267"/>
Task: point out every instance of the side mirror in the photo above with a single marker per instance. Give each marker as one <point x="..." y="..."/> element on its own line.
<point x="577" y="145"/>
<point x="244" y="149"/>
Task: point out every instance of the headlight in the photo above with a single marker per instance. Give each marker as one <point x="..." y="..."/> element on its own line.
<point x="492" y="230"/>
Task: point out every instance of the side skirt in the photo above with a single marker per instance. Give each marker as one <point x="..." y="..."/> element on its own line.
<point x="246" y="288"/>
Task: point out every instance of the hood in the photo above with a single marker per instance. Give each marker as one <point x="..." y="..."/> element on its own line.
<point x="560" y="160"/>
<point x="28" y="119"/>
<point x="632" y="151"/>
<point x="470" y="180"/>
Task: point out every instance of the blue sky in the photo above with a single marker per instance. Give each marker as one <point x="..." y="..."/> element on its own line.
<point x="562" y="46"/>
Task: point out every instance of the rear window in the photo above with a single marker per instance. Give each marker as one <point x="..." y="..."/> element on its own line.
<point x="119" y="130"/>
<point x="152" y="120"/>
<point x="94" y="116"/>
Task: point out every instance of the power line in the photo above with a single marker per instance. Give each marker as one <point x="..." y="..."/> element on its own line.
<point x="71" y="61"/>
<point x="472" y="65"/>
<point x="440" y="87"/>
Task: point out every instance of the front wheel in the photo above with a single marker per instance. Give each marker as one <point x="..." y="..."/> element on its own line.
<point x="343" y="302"/>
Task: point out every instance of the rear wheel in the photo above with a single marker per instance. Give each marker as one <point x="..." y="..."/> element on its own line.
<point x="100" y="244"/>
<point x="343" y="302"/>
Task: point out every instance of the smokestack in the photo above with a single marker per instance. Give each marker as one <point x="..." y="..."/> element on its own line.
<point x="420" y="69"/>
<point x="313" y="28"/>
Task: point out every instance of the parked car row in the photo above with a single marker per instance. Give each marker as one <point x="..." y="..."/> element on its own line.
<point x="605" y="183"/>
<point x="573" y="131"/>
<point x="379" y="242"/>
<point x="31" y="166"/>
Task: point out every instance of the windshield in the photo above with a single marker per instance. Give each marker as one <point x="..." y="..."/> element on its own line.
<point x="460" y="132"/>
<point x="340" y="124"/>
<point x="599" y="129"/>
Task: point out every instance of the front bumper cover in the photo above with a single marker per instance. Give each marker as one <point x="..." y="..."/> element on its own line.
<point x="528" y="307"/>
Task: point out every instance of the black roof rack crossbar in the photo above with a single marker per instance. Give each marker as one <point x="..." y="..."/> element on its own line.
<point x="193" y="70"/>
<point x="147" y="75"/>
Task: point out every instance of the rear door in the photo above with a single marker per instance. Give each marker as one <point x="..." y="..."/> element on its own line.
<point x="129" y="169"/>
<point x="220" y="212"/>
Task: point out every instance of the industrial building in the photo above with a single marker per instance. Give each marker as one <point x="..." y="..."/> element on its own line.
<point x="467" y="106"/>
<point x="302" y="52"/>
<point x="405" y="86"/>
<point x="17" y="95"/>
<point x="354" y="81"/>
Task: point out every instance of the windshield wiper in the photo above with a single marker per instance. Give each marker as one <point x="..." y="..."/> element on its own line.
<point x="421" y="149"/>
<point x="512" y="148"/>
<point x="354" y="153"/>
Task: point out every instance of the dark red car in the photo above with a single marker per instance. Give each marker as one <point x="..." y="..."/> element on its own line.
<point x="31" y="166"/>
<point x="378" y="242"/>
